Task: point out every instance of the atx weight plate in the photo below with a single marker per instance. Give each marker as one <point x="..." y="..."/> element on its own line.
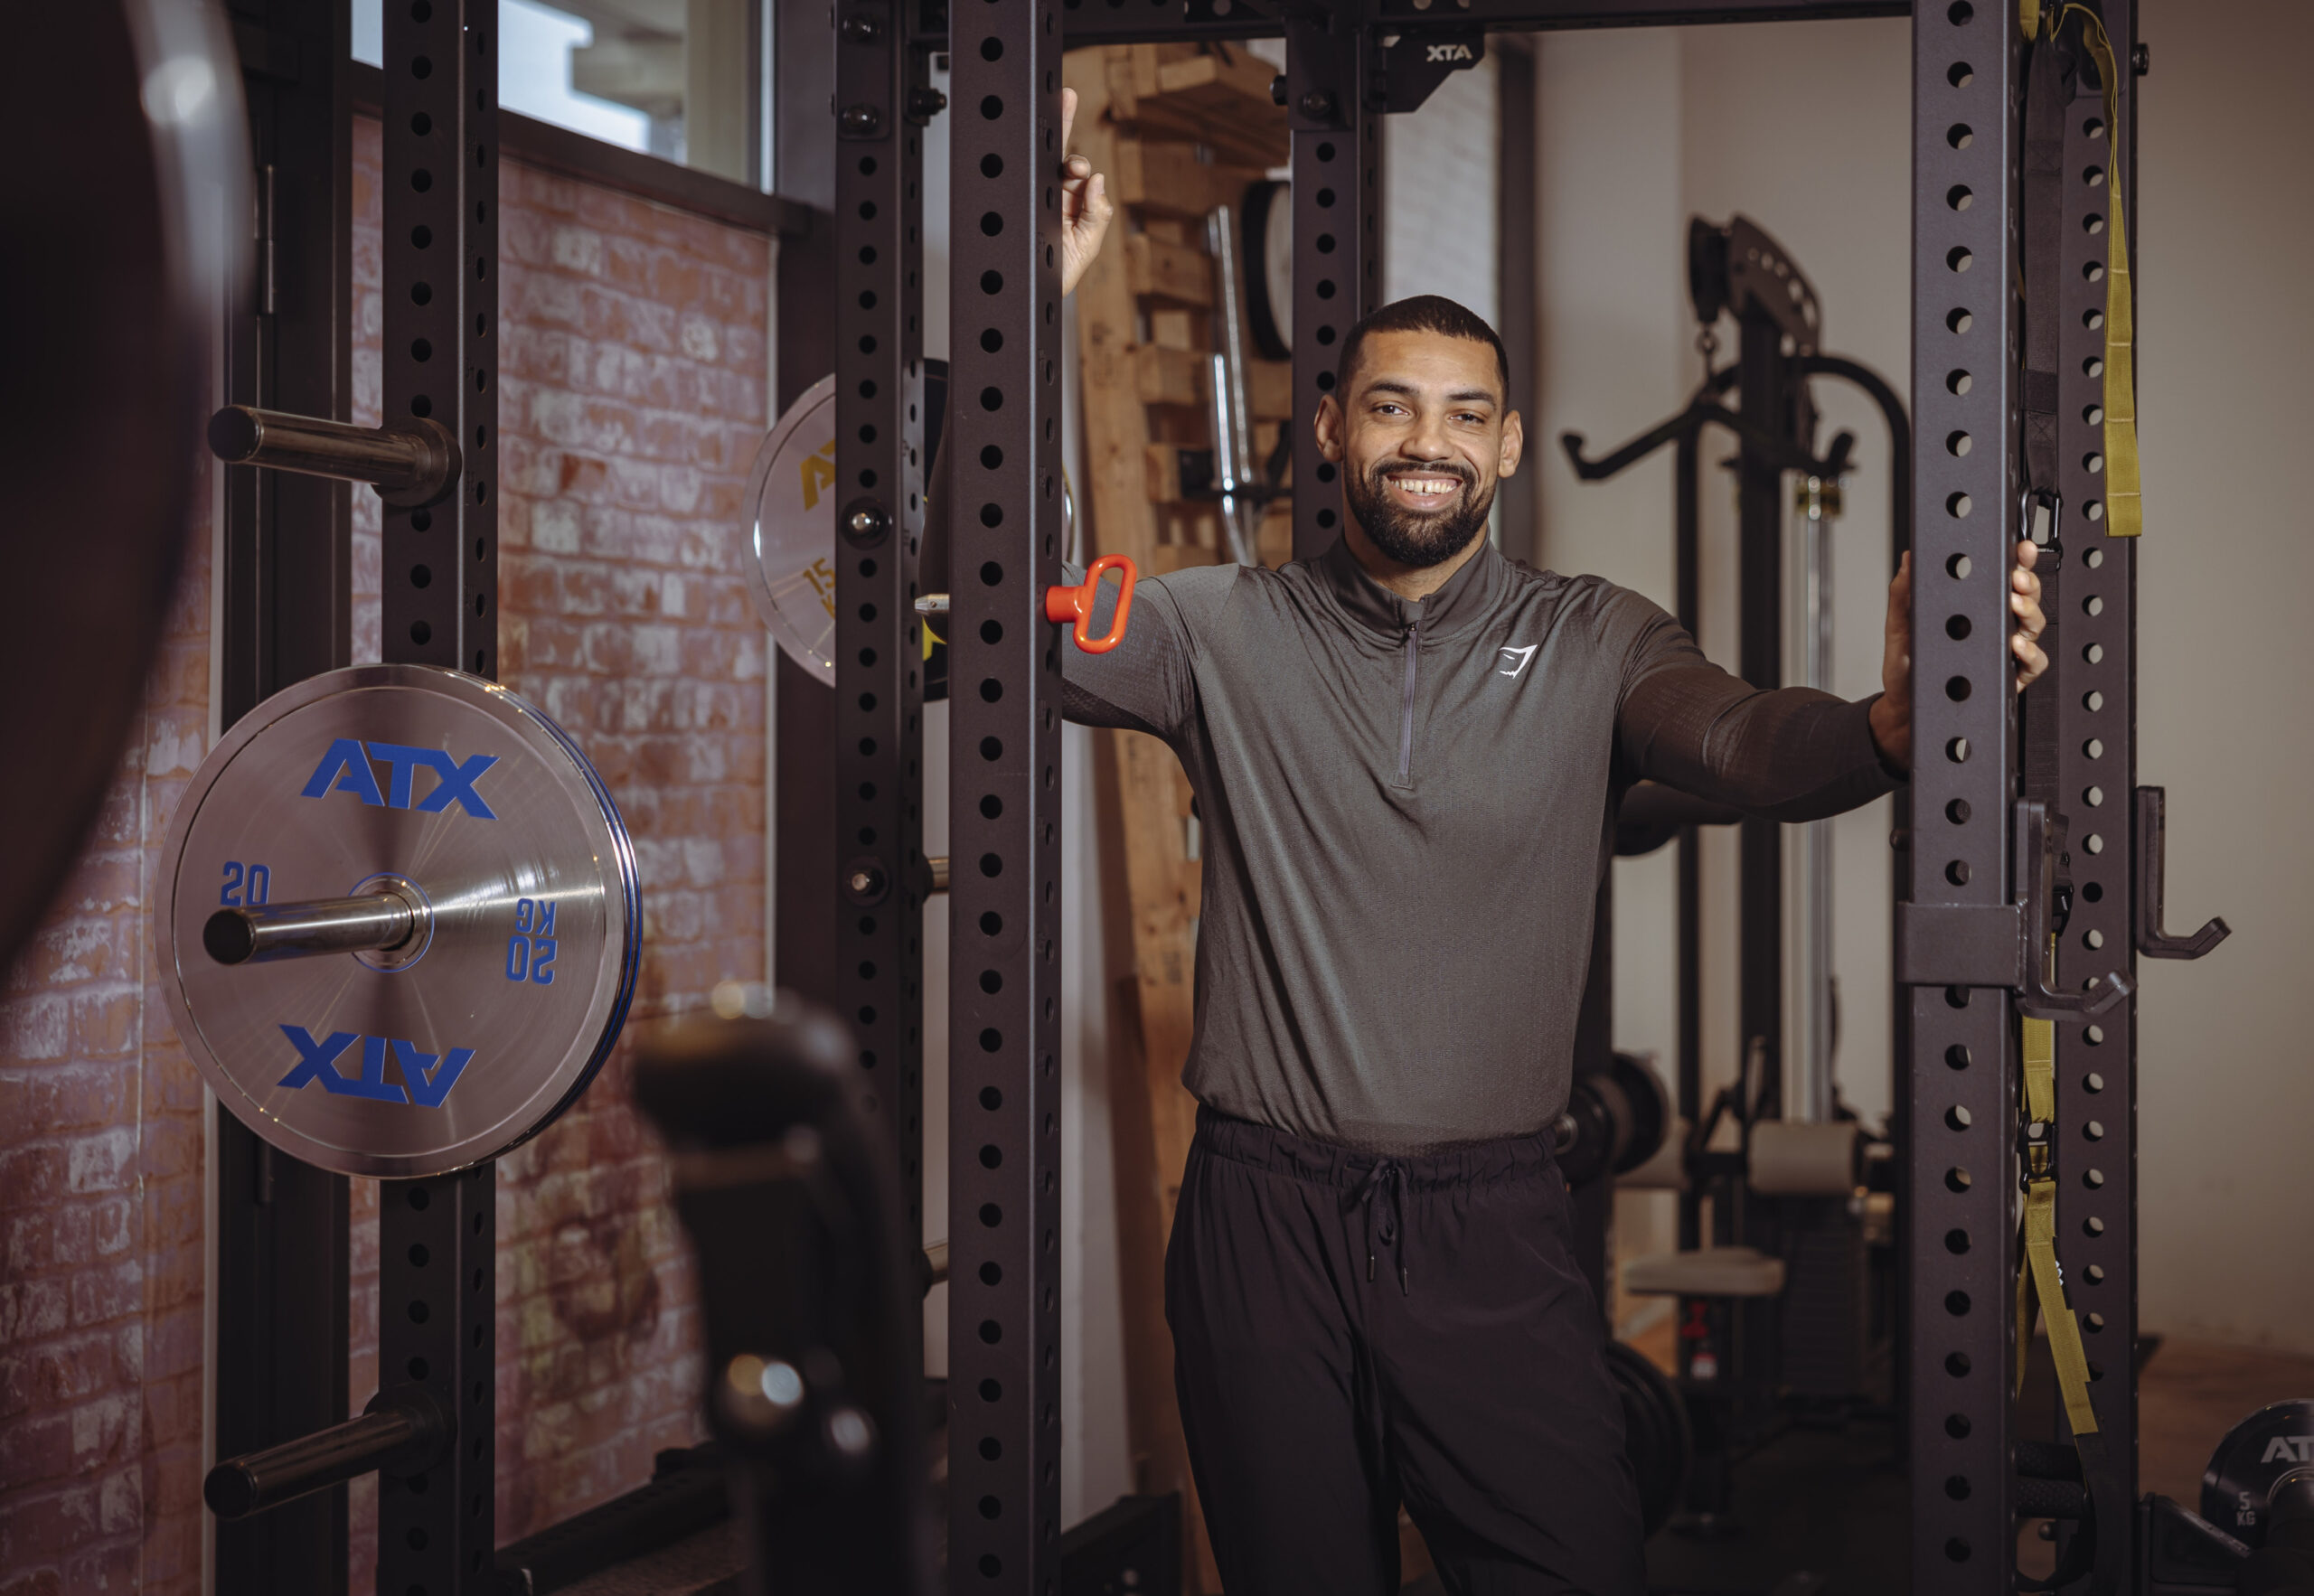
<point x="400" y="924"/>
<point x="2257" y="1452"/>
<point x="792" y="502"/>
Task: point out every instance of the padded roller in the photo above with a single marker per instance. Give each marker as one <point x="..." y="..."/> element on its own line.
<point x="1790" y="1158"/>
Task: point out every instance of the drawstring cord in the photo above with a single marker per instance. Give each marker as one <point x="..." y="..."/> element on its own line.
<point x="1389" y="1175"/>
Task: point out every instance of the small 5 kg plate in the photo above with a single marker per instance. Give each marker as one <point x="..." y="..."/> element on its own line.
<point x="495" y="1015"/>
<point x="2259" y="1450"/>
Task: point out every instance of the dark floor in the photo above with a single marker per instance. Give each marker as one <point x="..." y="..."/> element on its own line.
<point x="1827" y="1506"/>
<point x="1822" y="1514"/>
<point x="1819" y="1512"/>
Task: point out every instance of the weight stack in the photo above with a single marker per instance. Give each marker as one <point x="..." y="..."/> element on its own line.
<point x="1823" y="1328"/>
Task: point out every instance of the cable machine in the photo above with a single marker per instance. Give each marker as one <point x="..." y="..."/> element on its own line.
<point x="1790" y="1297"/>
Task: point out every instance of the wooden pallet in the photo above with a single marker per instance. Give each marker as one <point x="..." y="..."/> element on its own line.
<point x="1218" y="96"/>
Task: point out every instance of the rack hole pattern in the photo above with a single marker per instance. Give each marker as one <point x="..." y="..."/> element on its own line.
<point x="2094" y="701"/>
<point x="441" y="241"/>
<point x="437" y="1264"/>
<point x="1963" y="1167"/>
<point x="879" y="690"/>
<point x="439" y="346"/>
<point x="1337" y="169"/>
<point x="1004" y="1329"/>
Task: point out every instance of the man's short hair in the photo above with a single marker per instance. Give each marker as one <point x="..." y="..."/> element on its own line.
<point x="1424" y="312"/>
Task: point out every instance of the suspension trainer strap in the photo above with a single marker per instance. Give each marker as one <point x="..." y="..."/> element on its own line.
<point x="2101" y="1549"/>
<point x="2040" y="1274"/>
<point x="2124" y="509"/>
<point x="2042" y="237"/>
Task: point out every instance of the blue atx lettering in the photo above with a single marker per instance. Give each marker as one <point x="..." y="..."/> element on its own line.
<point x="530" y="952"/>
<point x="347" y="768"/>
<point x="427" y="1076"/>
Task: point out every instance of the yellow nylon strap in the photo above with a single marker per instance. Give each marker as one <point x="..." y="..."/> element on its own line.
<point x="2038" y="1056"/>
<point x="2029" y="19"/>
<point x="2124" y="504"/>
<point x="2039" y="1060"/>
<point x="2038" y="1272"/>
<point x="2048" y="1283"/>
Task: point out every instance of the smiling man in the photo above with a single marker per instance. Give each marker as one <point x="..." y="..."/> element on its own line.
<point x="1408" y="753"/>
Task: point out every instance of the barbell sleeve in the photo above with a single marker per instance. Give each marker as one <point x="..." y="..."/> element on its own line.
<point x="410" y="463"/>
<point x="404" y="1428"/>
<point x="255" y="932"/>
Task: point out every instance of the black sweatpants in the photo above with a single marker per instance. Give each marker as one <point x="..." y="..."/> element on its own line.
<point x="1352" y="1331"/>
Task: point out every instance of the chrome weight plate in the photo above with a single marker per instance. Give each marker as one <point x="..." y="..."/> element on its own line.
<point x="445" y="802"/>
<point x="791" y="531"/>
<point x="2257" y="1452"/>
<point x="791" y="509"/>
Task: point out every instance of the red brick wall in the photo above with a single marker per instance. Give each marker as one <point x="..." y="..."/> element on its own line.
<point x="101" y="1251"/>
<point x="632" y="395"/>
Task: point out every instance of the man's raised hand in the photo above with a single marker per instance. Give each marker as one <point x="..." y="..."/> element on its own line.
<point x="1085" y="205"/>
<point x="1892" y="715"/>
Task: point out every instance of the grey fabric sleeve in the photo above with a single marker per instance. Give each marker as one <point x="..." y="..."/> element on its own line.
<point x="1142" y="684"/>
<point x="1787" y="753"/>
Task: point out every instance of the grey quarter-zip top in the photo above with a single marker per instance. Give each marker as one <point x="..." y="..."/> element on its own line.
<point x="1409" y="807"/>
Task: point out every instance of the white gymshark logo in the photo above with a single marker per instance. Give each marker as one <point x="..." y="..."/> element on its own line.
<point x="1525" y="656"/>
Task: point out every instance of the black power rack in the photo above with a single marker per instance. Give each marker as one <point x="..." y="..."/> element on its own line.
<point x="1350" y="63"/>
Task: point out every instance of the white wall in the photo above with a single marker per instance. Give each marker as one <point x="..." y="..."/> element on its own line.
<point x="1805" y="129"/>
<point x="2227" y="333"/>
<point x="1439" y="214"/>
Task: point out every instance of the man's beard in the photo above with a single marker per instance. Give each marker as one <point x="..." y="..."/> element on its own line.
<point x="1412" y="539"/>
